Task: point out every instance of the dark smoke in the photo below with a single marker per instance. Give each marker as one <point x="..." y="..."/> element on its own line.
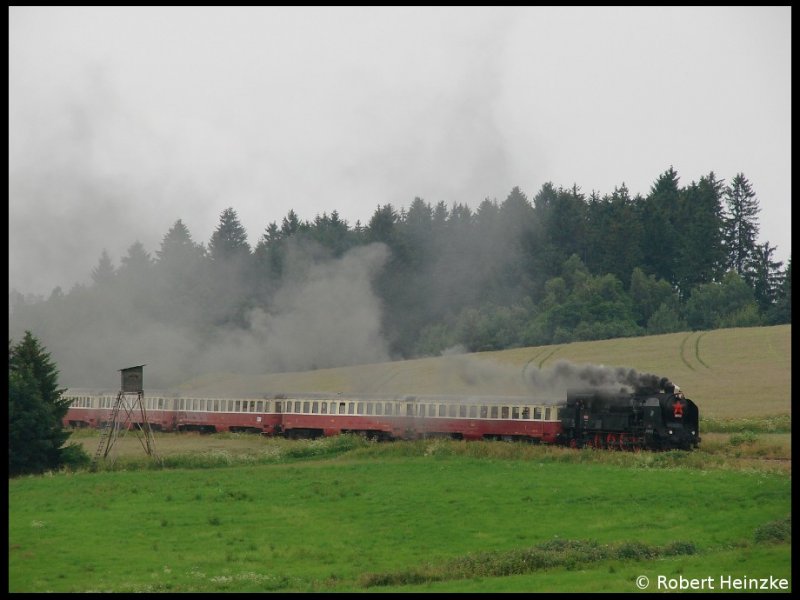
<point x="565" y="375"/>
<point x="546" y="384"/>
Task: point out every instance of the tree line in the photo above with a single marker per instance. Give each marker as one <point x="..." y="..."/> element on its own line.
<point x="562" y="267"/>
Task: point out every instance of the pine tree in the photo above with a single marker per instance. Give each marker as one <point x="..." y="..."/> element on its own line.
<point x="781" y="312"/>
<point x="177" y="245"/>
<point x="135" y="266"/>
<point x="104" y="272"/>
<point x="701" y="254"/>
<point x="764" y="276"/>
<point x="229" y="240"/>
<point x="661" y="232"/>
<point x="36" y="434"/>
<point x="741" y="223"/>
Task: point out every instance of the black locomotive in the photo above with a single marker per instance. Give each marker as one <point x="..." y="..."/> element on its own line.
<point x="656" y="419"/>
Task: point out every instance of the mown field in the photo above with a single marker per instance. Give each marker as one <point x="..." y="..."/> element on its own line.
<point x="730" y="373"/>
<point x="228" y="512"/>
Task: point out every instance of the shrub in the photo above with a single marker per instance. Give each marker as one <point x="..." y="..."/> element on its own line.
<point x="774" y="531"/>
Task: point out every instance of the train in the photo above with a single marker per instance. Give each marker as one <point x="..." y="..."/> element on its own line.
<point x="654" y="419"/>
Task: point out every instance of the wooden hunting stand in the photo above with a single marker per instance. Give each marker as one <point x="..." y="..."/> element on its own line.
<point x="127" y="412"/>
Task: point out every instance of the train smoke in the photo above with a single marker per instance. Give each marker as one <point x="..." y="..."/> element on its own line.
<point x="565" y="375"/>
<point x="550" y="382"/>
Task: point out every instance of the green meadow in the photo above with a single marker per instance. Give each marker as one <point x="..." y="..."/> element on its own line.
<point x="344" y="514"/>
<point x="243" y="513"/>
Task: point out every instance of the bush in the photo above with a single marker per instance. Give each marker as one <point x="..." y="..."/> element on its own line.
<point x="74" y="457"/>
<point x="774" y="531"/>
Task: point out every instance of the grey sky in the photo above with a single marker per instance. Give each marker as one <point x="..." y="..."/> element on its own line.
<point x="123" y="120"/>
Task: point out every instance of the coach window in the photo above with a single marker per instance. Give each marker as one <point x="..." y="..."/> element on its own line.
<point x="369" y="408"/>
<point x="409" y="410"/>
<point x="451" y="410"/>
<point x="442" y="410"/>
<point x="388" y="408"/>
<point x="526" y="412"/>
<point x="237" y="406"/>
<point x="260" y="406"/>
<point x="306" y="406"/>
<point x="252" y="406"/>
<point x="315" y="407"/>
<point x="515" y="412"/>
<point x="216" y="405"/>
<point x="379" y="408"/>
<point x="421" y="410"/>
<point x="494" y="412"/>
<point x="323" y="408"/>
<point x="462" y="411"/>
<point x="473" y="411"/>
<point x="351" y="408"/>
<point x="278" y="406"/>
<point x="547" y="414"/>
<point x="504" y="413"/>
<point x="359" y="408"/>
<point x="537" y="413"/>
<point x="484" y="411"/>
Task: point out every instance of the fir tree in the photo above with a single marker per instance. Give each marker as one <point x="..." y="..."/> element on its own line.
<point x="741" y="223"/>
<point x="36" y="409"/>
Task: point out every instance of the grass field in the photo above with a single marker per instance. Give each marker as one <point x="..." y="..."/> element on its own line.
<point x="349" y="515"/>
<point x="236" y="512"/>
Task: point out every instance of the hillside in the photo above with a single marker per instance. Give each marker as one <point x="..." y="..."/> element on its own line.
<point x="729" y="373"/>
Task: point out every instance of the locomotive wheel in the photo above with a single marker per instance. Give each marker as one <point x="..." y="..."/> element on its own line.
<point x="598" y="440"/>
<point x="611" y="440"/>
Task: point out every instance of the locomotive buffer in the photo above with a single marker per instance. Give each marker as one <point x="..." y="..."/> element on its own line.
<point x="128" y="412"/>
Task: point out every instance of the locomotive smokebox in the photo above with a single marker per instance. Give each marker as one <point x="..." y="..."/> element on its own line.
<point x="132" y="379"/>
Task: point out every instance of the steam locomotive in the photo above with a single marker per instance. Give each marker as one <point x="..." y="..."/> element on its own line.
<point x="656" y="419"/>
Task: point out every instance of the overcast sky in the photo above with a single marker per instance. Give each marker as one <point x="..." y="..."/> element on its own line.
<point x="125" y="119"/>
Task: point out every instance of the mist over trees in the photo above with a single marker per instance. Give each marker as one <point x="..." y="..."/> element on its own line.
<point x="416" y="281"/>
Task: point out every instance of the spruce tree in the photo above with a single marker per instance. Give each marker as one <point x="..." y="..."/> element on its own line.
<point x="104" y="271"/>
<point x="36" y="409"/>
<point x="229" y="240"/>
<point x="741" y="223"/>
